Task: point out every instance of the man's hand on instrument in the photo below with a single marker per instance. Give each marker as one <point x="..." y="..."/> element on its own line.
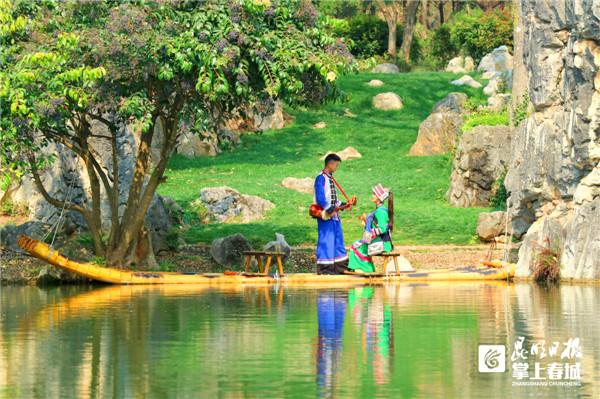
<point x="352" y="200"/>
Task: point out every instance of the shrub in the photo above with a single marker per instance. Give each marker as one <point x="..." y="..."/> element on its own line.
<point x="172" y="239"/>
<point x="368" y="35"/>
<point x="498" y="200"/>
<point x="520" y="112"/>
<point x="489" y="118"/>
<point x="477" y="33"/>
<point x="443" y="49"/>
<point x="546" y="268"/>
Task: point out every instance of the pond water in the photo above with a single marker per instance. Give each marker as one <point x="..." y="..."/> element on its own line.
<point x="387" y="341"/>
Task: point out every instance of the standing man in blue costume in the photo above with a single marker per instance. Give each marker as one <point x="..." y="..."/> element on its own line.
<point x="331" y="252"/>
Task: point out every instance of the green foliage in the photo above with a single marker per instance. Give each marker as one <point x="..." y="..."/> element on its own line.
<point x="339" y="9"/>
<point x="477" y="33"/>
<point x="473" y="33"/>
<point x="8" y="208"/>
<point x="172" y="238"/>
<point x="521" y="111"/>
<point x="98" y="260"/>
<point x="498" y="200"/>
<point x="166" y="266"/>
<point x="442" y="46"/>
<point x="368" y="35"/>
<point x="198" y="208"/>
<point x="489" y="118"/>
<point x="85" y="239"/>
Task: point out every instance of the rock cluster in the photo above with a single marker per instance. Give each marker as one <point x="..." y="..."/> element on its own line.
<point x="554" y="180"/>
<point x="481" y="158"/>
<point x="66" y="179"/>
<point x="460" y="65"/>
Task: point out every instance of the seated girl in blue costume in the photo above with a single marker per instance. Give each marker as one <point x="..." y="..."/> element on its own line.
<point x="378" y="226"/>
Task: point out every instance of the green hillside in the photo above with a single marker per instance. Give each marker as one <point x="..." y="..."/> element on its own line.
<point x="383" y="138"/>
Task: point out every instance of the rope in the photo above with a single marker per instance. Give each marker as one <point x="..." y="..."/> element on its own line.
<point x="59" y="222"/>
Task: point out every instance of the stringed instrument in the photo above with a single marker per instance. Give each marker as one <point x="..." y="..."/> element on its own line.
<point x="316" y="211"/>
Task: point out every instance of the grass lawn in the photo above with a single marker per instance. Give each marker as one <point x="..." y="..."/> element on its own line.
<point x="262" y="161"/>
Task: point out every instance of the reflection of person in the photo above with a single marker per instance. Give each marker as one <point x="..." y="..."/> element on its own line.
<point x="331" y="311"/>
<point x="378" y="225"/>
<point x="374" y="317"/>
<point x="331" y="252"/>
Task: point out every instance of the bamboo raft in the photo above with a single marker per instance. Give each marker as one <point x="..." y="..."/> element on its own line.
<point x="494" y="271"/>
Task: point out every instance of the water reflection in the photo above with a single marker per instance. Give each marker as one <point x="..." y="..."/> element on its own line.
<point x="331" y="311"/>
<point x="400" y="341"/>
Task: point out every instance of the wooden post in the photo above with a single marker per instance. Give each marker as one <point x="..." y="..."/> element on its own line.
<point x="247" y="263"/>
<point x="268" y="264"/>
<point x="280" y="266"/>
<point x="260" y="264"/>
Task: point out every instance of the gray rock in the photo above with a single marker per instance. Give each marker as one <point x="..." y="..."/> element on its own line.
<point x="279" y="245"/>
<point x="9" y="234"/>
<point x="554" y="181"/>
<point x="269" y="115"/>
<point x="224" y="204"/>
<point x="386" y="68"/>
<point x="345" y="154"/>
<point x="304" y="185"/>
<point x="375" y="83"/>
<point x="498" y="102"/>
<point x="460" y="65"/>
<point x="466" y="80"/>
<point x="453" y="102"/>
<point x="481" y="158"/>
<point x="491" y="225"/>
<point x="67" y="179"/>
<point x="437" y="134"/>
<point x="229" y="251"/>
<point x="498" y="60"/>
<point x="387" y="101"/>
<point x="547" y="232"/>
<point x="191" y="146"/>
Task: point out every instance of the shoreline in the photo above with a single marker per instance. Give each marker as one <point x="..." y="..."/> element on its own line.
<point x="21" y="269"/>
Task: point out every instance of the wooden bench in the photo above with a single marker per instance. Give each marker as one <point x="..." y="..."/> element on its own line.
<point x="394" y="254"/>
<point x="267" y="257"/>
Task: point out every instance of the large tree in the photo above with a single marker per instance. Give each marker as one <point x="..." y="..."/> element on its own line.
<point x="114" y="64"/>
<point x="410" y="19"/>
<point x="391" y="11"/>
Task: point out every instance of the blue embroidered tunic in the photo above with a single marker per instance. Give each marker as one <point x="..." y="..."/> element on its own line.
<point x="330" y="245"/>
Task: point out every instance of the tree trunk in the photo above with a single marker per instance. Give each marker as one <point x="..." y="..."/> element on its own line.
<point x="441" y="11"/>
<point x="392" y="34"/>
<point x="410" y="18"/>
<point x="424" y="13"/>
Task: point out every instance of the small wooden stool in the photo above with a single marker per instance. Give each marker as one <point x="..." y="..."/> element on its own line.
<point x="268" y="256"/>
<point x="386" y="257"/>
